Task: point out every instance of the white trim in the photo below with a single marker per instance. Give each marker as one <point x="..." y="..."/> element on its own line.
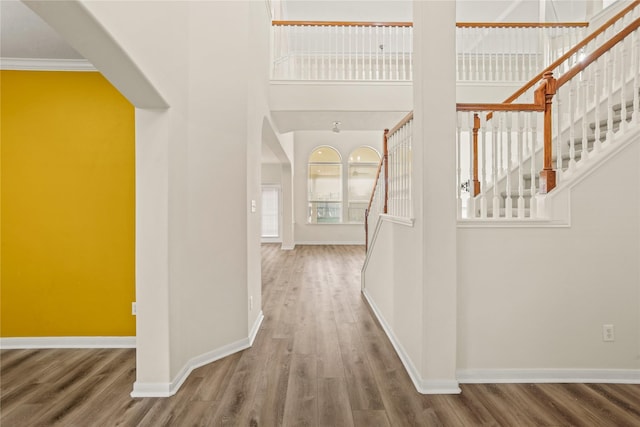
<point x="400" y="220"/>
<point x="328" y="242"/>
<point x="169" y="389"/>
<point x="423" y="386"/>
<point x="253" y="333"/>
<point x="510" y="223"/>
<point x="271" y="240"/>
<point x="287" y="247"/>
<point x="67" y="342"/>
<point x="609" y="376"/>
<point x="34" y="64"/>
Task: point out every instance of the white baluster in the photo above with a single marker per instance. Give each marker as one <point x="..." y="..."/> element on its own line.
<point x="557" y="129"/>
<point x="343" y="38"/>
<point x="584" y="86"/>
<point x="512" y="38"/>
<point x="460" y="121"/>
<point x="316" y="51"/>
<point x="483" y="181"/>
<point x="397" y="48"/>
<point x="532" y="134"/>
<point x="294" y="70"/>
<point x="519" y="35"/>
<point x="472" y="57"/>
<point x="471" y="209"/>
<point x="622" y="48"/>
<point x="349" y="37"/>
<point x="275" y="51"/>
<point x="398" y="171"/>
<point x="461" y="55"/>
<point x="495" y="122"/>
<point x="409" y="53"/>
<point x="520" y="118"/>
<point x="402" y="163"/>
<point x="377" y="50"/>
<point x="636" y="77"/>
<point x="609" y="95"/>
<point x="404" y="53"/>
<point x="383" y="56"/>
<point x="508" y="201"/>
<point x="483" y="54"/>
<point x="597" y="93"/>
<point x="500" y="158"/>
<point x="504" y="63"/>
<point x="572" y="125"/>
<point x="307" y="50"/>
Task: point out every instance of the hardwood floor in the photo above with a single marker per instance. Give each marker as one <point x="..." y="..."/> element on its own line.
<point x="320" y="359"/>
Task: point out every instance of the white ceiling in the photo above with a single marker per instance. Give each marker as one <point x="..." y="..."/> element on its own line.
<point x="23" y="34"/>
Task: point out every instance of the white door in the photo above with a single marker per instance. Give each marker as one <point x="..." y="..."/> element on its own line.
<point x="271" y="212"/>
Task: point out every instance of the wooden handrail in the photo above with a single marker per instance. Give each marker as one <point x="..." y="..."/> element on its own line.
<point x="340" y="24"/>
<point x="385" y="157"/>
<point x="375" y="185"/>
<point x="282" y="23"/>
<point x="521" y="24"/>
<point x="406" y="119"/>
<point x="572" y="51"/>
<point x="542" y="101"/>
<point x="384" y="163"/>
<point x="593" y="56"/>
<point x="375" y="182"/>
<point x="498" y="107"/>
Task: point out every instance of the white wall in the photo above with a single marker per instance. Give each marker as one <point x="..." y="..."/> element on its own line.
<point x="344" y="142"/>
<point x="271" y="173"/>
<point x="359" y="10"/>
<point x="197" y="170"/>
<point x="536" y="298"/>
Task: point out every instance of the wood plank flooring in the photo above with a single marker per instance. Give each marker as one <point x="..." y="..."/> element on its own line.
<point x="320" y="359"/>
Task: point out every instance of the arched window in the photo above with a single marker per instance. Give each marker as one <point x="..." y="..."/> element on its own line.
<point x="363" y="165"/>
<point x="325" y="186"/>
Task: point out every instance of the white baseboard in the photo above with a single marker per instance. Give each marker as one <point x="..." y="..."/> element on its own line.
<point x="423" y="386"/>
<point x="36" y="64"/>
<point x="67" y="342"/>
<point x="488" y="376"/>
<point x="321" y="242"/>
<point x="169" y="389"/>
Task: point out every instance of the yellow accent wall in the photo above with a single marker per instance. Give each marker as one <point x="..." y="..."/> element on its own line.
<point x="68" y="206"/>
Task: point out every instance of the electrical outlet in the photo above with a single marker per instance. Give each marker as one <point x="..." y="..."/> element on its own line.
<point x="608" y="333"/>
<point x="134" y="308"/>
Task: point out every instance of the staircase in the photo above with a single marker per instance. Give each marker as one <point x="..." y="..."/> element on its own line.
<point x="583" y="103"/>
<point x="566" y="160"/>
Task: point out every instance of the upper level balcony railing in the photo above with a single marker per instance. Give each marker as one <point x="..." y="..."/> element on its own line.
<point x="351" y="51"/>
<point x="383" y="51"/>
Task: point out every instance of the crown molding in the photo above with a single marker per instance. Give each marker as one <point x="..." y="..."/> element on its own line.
<point x="34" y="64"/>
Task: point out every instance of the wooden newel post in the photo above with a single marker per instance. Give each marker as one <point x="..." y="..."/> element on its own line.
<point x="385" y="159"/>
<point x="544" y="94"/>
<point x="366" y="230"/>
<point x="476" y="182"/>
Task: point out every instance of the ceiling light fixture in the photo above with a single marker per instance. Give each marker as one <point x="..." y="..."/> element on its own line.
<point x="336" y="129"/>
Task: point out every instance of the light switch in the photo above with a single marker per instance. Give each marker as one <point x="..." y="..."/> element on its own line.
<point x="253" y="206"/>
